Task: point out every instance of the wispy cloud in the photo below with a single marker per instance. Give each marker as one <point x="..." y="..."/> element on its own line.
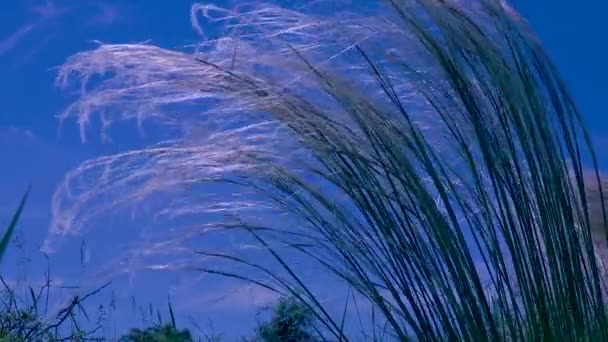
<point x="7" y="212"/>
<point x="93" y="13"/>
<point x="12" y="40"/>
<point x="106" y="14"/>
<point x="43" y="14"/>
<point x="49" y="10"/>
<point x="16" y="132"/>
<point x="244" y="297"/>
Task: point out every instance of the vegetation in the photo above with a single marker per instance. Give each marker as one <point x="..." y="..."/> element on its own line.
<point x="291" y="322"/>
<point x="425" y="153"/>
<point x="164" y="333"/>
<point x="25" y="319"/>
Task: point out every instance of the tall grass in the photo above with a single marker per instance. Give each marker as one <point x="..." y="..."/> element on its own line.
<point x="424" y="152"/>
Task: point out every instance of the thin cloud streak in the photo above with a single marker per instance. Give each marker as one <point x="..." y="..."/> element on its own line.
<point x="49" y="10"/>
<point x="11" y="41"/>
<point x="244" y="297"/>
<point x="45" y="13"/>
<point x="104" y="15"/>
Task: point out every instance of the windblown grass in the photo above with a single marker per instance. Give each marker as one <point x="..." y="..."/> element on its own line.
<point x="414" y="149"/>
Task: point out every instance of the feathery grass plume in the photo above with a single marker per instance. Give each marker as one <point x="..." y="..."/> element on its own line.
<point x="416" y="149"/>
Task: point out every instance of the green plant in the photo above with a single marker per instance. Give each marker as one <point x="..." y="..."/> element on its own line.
<point x="291" y="321"/>
<point x="24" y="319"/>
<point x="161" y="333"/>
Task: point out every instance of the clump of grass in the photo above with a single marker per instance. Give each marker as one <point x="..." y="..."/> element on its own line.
<point x="415" y="151"/>
<point x="25" y="318"/>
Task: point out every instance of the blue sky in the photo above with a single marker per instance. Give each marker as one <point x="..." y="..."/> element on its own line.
<point x="38" y="35"/>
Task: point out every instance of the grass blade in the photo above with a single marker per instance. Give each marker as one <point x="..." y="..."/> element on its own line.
<point x="6" y="238"/>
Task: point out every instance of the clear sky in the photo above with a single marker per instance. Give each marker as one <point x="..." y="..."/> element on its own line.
<point x="38" y="35"/>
